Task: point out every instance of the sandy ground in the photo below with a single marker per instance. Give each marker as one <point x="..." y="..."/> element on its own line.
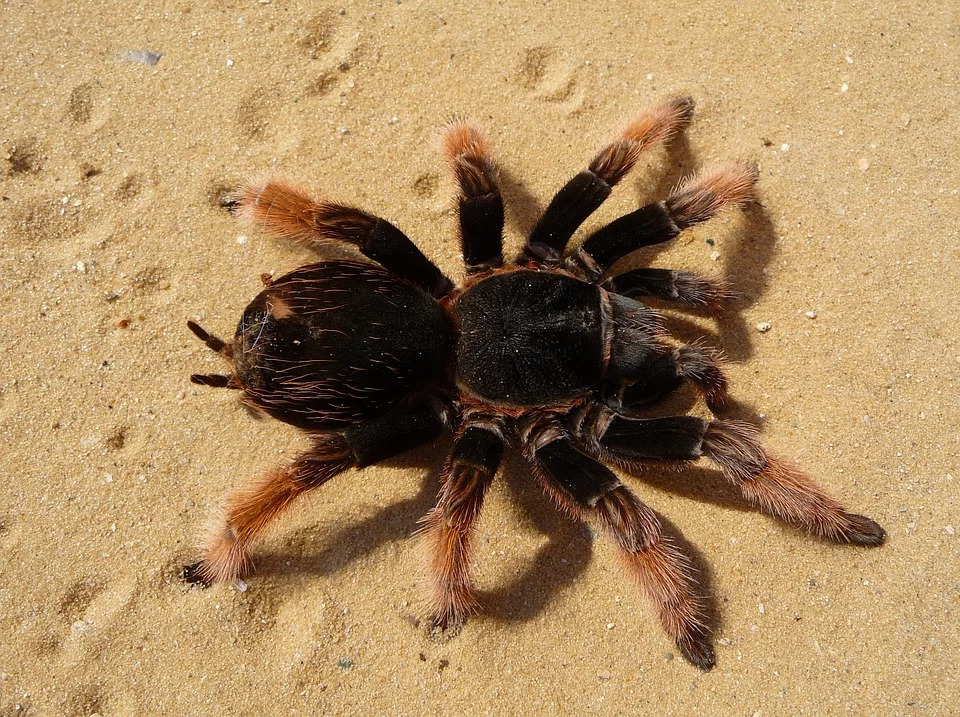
<point x="111" y="238"/>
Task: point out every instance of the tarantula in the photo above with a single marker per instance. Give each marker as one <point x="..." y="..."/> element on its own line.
<point x="549" y="353"/>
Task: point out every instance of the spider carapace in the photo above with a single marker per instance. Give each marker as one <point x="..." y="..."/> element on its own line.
<point x="553" y="354"/>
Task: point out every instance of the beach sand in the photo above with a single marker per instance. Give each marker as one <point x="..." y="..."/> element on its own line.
<point x="111" y="238"/>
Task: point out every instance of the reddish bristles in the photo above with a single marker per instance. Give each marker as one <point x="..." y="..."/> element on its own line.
<point x="648" y="130"/>
<point x="466" y="150"/>
<point x="702" y="196"/>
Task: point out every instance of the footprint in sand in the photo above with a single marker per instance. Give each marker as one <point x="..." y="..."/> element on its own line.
<point x="88" y="609"/>
<point x="542" y="72"/>
<point x="24" y="156"/>
<point x="426" y="185"/>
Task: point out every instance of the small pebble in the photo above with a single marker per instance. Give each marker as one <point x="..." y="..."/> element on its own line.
<point x="604" y="675"/>
<point x="784" y="147"/>
<point x="949" y="529"/>
<point x="904" y="121"/>
<point x="764" y="326"/>
<point x="844" y="87"/>
<point x="81" y="267"/>
<point x="761" y="609"/>
<point x="811" y="314"/>
<point x="611" y="625"/>
<point x="229" y="63"/>
<point x="864" y="164"/>
<point x="108" y="478"/>
<point x="242" y="239"/>
<point x="715" y="255"/>
<point x="240" y="585"/>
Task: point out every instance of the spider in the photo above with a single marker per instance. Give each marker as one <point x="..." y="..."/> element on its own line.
<point x="551" y="354"/>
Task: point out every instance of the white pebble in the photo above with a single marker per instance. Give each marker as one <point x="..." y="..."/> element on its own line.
<point x="108" y="478"/>
<point x="229" y="63"/>
<point x="761" y="609"/>
<point x="763" y="327"/>
<point x="864" y="164"/>
<point x="240" y="585"/>
<point x="844" y="87"/>
<point x="715" y="256"/>
<point x="650" y="76"/>
<point x="81" y="267"/>
<point x="611" y="625"/>
<point x="784" y="147"/>
<point x="242" y="239"/>
<point x="811" y="314"/>
<point x="949" y="529"/>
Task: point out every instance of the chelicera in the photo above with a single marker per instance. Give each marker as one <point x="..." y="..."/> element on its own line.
<point x="550" y="354"/>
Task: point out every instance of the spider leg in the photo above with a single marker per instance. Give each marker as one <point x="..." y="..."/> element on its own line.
<point x="449" y="525"/>
<point x="289" y="211"/>
<point x="639" y="356"/>
<point x="581" y="196"/>
<point x="683" y="287"/>
<point x="665" y="371"/>
<point x="694" y="201"/>
<point x="250" y="509"/>
<point x="480" y="205"/>
<point x="776" y="487"/>
<point x="587" y="489"/>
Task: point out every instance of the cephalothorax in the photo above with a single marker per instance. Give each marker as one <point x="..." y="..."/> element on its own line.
<point x="550" y="354"/>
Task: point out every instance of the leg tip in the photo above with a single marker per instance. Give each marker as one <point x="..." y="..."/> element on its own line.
<point x="699" y="652"/>
<point x="445" y="627"/>
<point x="861" y="530"/>
<point x="683" y="107"/>
<point x="194" y="574"/>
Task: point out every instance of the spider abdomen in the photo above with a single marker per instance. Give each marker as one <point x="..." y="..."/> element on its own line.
<point x="528" y="338"/>
<point x="335" y="343"/>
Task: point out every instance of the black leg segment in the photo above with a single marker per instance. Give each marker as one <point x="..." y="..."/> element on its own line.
<point x="669" y="285"/>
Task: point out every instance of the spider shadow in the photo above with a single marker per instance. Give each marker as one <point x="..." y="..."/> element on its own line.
<point x="555" y="565"/>
<point x="523" y="208"/>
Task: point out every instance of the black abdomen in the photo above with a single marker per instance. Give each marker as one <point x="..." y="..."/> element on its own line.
<point x="335" y="343"/>
<point x="528" y="338"/>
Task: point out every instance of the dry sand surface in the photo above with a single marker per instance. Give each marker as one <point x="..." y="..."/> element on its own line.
<point x="111" y="237"/>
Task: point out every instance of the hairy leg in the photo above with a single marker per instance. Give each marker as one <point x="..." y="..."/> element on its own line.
<point x="449" y="526"/>
<point x="775" y="486"/>
<point x="696" y="200"/>
<point x="586" y="489"/>
<point x="666" y="371"/>
<point x="249" y="510"/>
<point x="581" y="196"/>
<point x="682" y="287"/>
<point x="480" y="206"/>
<point x="288" y="211"/>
